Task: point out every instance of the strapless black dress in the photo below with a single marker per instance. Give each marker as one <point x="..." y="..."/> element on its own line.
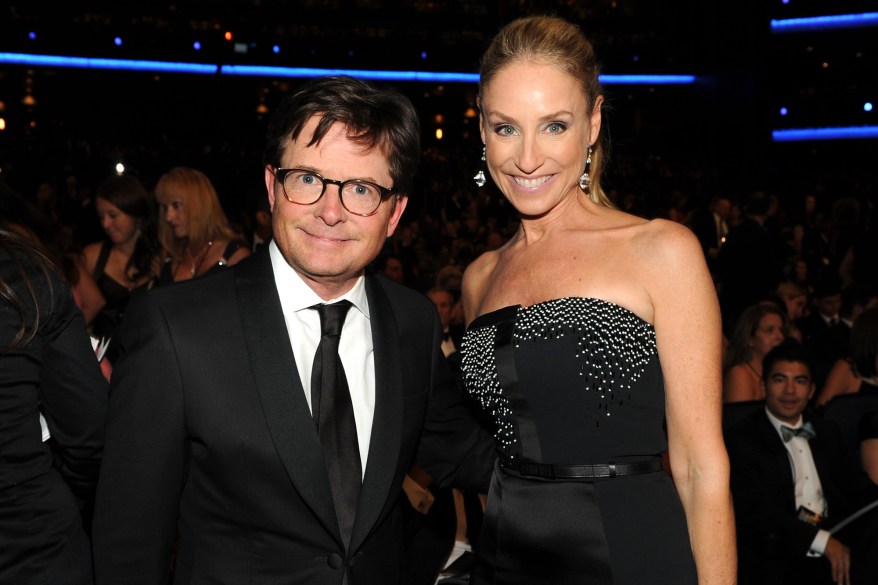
<point x="574" y="387"/>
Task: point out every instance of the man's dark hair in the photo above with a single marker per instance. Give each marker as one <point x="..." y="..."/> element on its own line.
<point x="374" y="117"/>
<point x="788" y="351"/>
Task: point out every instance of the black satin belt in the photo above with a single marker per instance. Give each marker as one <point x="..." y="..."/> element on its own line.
<point x="597" y="471"/>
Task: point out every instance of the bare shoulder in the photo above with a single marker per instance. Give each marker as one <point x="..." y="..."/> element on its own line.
<point x="475" y="281"/>
<point x="90" y="253"/>
<point x="666" y="245"/>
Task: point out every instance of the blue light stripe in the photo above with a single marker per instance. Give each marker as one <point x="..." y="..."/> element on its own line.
<point x="825" y="22"/>
<point x="301" y="72"/>
<point x="836" y="133"/>
<point x="100" y="63"/>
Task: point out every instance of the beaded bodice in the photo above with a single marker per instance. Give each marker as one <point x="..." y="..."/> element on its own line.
<point x="570" y="380"/>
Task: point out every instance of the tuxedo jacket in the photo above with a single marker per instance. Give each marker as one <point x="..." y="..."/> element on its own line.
<point x="45" y="485"/>
<point x="770" y="536"/>
<point x="212" y="456"/>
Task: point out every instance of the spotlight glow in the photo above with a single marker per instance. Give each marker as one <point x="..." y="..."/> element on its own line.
<point x="867" y="107"/>
<point x="784" y="111"/>
<point x="117" y="41"/>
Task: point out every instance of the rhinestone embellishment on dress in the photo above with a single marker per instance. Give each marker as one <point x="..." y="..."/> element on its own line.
<point x="614" y="348"/>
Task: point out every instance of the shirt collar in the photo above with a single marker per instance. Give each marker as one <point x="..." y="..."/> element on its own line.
<point x="777" y="423"/>
<point x="296" y="295"/>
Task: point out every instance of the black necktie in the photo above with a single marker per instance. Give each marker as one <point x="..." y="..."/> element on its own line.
<point x="806" y="431"/>
<point x="334" y="415"/>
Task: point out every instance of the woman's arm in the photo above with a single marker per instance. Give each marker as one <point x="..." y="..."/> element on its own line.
<point x="689" y="340"/>
<point x="88" y="296"/>
<point x="869" y="456"/>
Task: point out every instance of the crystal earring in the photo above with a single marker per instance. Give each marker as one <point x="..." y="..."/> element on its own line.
<point x="585" y="180"/>
<point x="480" y="176"/>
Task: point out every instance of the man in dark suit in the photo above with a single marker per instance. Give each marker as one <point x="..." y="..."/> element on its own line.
<point x="825" y="335"/>
<point x="212" y="456"/>
<point x="789" y="483"/>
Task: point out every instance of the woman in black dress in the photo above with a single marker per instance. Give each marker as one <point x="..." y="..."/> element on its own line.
<point x="588" y="332"/>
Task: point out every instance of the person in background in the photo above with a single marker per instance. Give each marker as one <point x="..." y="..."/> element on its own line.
<point x="48" y="371"/>
<point x="590" y="361"/>
<point x="858" y="371"/>
<point x="790" y="483"/>
<point x="122" y="263"/>
<point x="758" y="329"/>
<point x="795" y="301"/>
<point x="263" y="418"/>
<point x="193" y="230"/>
<point x="825" y="336"/>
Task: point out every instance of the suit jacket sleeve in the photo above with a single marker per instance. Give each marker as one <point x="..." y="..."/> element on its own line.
<point x="138" y="497"/>
<point x="456" y="449"/>
<point x="73" y="395"/>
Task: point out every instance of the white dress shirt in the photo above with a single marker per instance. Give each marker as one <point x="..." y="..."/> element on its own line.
<point x="355" y="346"/>
<point x="809" y="491"/>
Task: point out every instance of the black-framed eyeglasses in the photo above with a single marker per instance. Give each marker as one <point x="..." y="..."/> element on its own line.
<point x="305" y="187"/>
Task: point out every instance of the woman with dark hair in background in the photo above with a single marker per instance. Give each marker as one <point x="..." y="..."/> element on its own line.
<point x="123" y="262"/>
<point x="48" y="367"/>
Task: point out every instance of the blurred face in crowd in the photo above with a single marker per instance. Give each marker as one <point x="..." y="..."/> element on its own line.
<point x="173" y="211"/>
<point x="327" y="245"/>
<point x="796" y="306"/>
<point x="829" y="305"/>
<point x="444" y="304"/>
<point x="118" y="225"/>
<point x="393" y="270"/>
<point x="537" y="128"/>
<point x="768" y="335"/>
<point x="788" y="390"/>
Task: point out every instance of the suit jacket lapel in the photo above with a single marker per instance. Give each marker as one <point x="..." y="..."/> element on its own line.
<point x="384" y="445"/>
<point x="280" y="388"/>
<point x="778" y="452"/>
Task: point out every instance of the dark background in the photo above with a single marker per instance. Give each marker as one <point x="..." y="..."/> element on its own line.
<point x="710" y="137"/>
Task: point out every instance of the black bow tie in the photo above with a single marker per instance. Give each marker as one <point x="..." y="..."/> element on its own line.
<point x="446" y="335"/>
<point x="806" y="431"/>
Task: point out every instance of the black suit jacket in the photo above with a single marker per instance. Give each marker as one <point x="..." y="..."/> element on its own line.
<point x="212" y="452"/>
<point x="771" y="539"/>
<point x="45" y="485"/>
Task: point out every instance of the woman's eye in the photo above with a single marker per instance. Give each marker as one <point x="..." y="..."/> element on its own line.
<point x="556" y="128"/>
<point x="505" y="130"/>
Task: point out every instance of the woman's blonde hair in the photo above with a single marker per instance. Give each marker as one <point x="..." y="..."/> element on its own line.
<point x="559" y="43"/>
<point x="205" y="219"/>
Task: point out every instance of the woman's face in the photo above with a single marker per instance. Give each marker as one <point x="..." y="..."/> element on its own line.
<point x="120" y="227"/>
<point x="536" y="128"/>
<point x="768" y="335"/>
<point x="173" y="212"/>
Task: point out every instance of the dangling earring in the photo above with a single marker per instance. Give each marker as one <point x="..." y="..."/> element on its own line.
<point x="585" y="180"/>
<point x="480" y="176"/>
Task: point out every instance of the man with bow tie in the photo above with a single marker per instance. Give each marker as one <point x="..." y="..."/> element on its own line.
<point x="790" y="483"/>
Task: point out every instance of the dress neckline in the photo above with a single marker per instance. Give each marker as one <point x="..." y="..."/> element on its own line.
<point x="511" y="311"/>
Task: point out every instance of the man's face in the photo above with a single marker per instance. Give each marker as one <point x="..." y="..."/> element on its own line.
<point x="788" y="390"/>
<point x="829" y="305"/>
<point x="328" y="246"/>
<point x="444" y="303"/>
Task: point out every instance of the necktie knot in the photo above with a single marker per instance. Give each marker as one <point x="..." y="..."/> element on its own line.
<point x="332" y="317"/>
<point x="805" y="431"/>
